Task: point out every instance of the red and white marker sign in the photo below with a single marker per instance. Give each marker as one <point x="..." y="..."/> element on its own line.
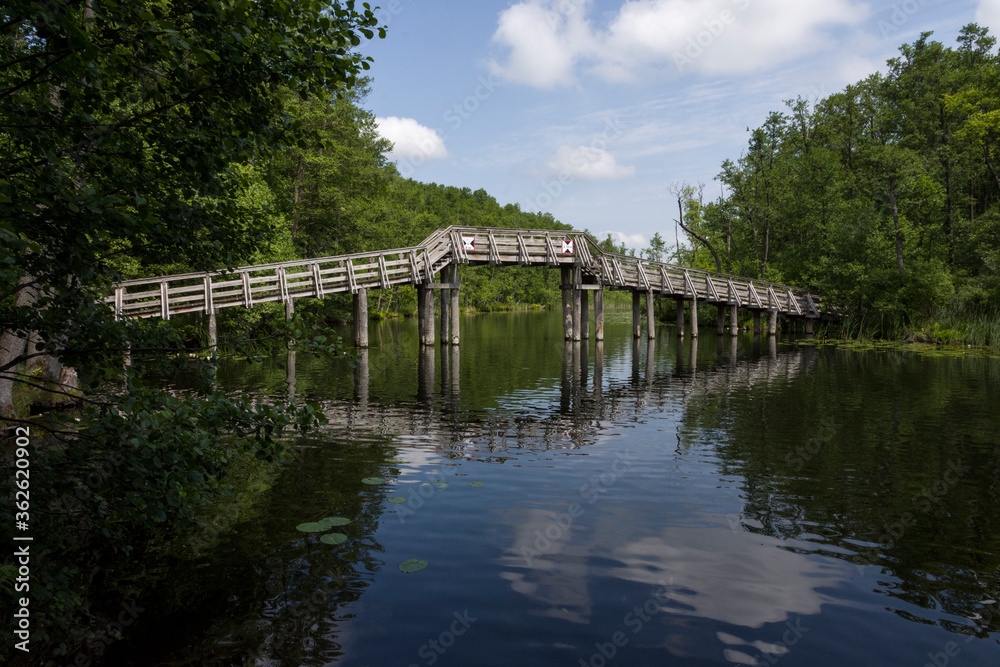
<point x="567" y="246"/>
<point x="469" y="243"/>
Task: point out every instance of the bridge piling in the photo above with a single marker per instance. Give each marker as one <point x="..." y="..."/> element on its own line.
<point x="213" y="328"/>
<point x="733" y="324"/>
<point x="360" y="308"/>
<point x="650" y="315"/>
<point x="577" y="303"/>
<point x="599" y="314"/>
<point x="445" y="296"/>
<point x="636" y="322"/>
<point x="694" y="318"/>
<point x="680" y="318"/>
<point x="720" y="320"/>
<point x="809" y="326"/>
<point x="425" y="314"/>
<point x="455" y="314"/>
<point x="567" y="301"/>
<point x="585" y="314"/>
<point x="772" y="323"/>
<point x="756" y="323"/>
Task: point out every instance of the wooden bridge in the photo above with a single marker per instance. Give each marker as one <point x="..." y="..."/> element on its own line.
<point x="433" y="265"/>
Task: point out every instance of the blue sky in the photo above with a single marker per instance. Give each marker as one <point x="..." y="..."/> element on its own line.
<point x="594" y="110"/>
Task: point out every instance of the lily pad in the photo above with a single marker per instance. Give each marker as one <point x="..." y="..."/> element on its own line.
<point x="477" y="484"/>
<point x="439" y="484"/>
<point x="395" y="461"/>
<point x="373" y="480"/>
<point x="331" y="521"/>
<point x="413" y="565"/>
<point x="399" y="500"/>
<point x="333" y="538"/>
<point x="312" y="527"/>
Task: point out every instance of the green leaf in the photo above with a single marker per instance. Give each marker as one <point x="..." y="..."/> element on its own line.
<point x="413" y="565"/>
<point x="335" y="521"/>
<point x="477" y="484"/>
<point x="399" y="500"/>
<point x="333" y="538"/>
<point x="373" y="480"/>
<point x="312" y="527"/>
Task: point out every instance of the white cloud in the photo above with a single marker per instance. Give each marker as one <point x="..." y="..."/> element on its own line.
<point x="411" y="140"/>
<point x="587" y="163"/>
<point x="548" y="40"/>
<point x="988" y="14"/>
<point x="637" y="241"/>
<point x="545" y="37"/>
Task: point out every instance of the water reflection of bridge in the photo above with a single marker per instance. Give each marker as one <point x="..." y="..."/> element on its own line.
<point x="589" y="399"/>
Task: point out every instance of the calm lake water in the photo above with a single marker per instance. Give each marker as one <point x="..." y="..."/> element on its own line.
<point x="724" y="502"/>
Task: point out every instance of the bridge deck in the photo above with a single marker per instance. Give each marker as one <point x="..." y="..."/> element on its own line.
<point x="165" y="296"/>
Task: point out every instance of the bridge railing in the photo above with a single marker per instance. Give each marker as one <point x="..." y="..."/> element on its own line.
<point x="282" y="281"/>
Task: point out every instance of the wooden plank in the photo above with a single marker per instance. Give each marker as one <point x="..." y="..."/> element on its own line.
<point x="666" y="285"/>
<point x="317" y="275"/>
<point x="640" y="274"/>
<point x="793" y="304"/>
<point x="734" y="295"/>
<point x="283" y="284"/>
<point x="493" y="251"/>
<point x="522" y="248"/>
<point x="383" y="272"/>
<point x="352" y="283"/>
<point x="689" y="285"/>
<point x="772" y="298"/>
<point x="754" y="296"/>
<point x="710" y="288"/>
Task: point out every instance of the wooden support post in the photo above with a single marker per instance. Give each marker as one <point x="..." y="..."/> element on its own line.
<point x="599" y="314"/>
<point x="720" y="320"/>
<point x="733" y="324"/>
<point x="445" y="296"/>
<point x="680" y="317"/>
<point x="426" y="303"/>
<point x="289" y="309"/>
<point x="772" y="323"/>
<point x="585" y="314"/>
<point x="567" y="301"/>
<point x="360" y="302"/>
<point x="213" y="329"/>
<point x="809" y="326"/>
<point x="650" y="315"/>
<point x="694" y="319"/>
<point x="636" y="320"/>
<point x="454" y="332"/>
<point x="756" y="323"/>
<point x="577" y="303"/>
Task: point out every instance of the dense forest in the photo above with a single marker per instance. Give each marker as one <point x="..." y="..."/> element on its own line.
<point x="885" y="198"/>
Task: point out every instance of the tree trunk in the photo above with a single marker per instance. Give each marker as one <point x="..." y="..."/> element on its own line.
<point x="12" y="347"/>
<point x="895" y="220"/>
